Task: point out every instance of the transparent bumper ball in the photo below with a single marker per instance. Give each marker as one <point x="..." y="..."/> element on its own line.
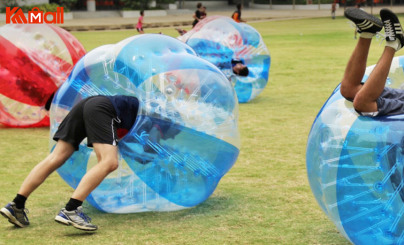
<point x="355" y="167"/>
<point x="220" y="39"/>
<point x="193" y="105"/>
<point x="34" y="61"/>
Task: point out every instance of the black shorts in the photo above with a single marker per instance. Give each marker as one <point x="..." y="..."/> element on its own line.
<point x="94" y="118"/>
<point x="390" y="102"/>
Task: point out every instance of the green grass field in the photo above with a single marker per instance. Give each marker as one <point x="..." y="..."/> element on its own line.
<point x="264" y="199"/>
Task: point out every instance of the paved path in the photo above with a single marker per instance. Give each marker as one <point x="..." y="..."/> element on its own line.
<point x="184" y="18"/>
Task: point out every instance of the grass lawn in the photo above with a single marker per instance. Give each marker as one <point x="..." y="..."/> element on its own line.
<point x="264" y="199"/>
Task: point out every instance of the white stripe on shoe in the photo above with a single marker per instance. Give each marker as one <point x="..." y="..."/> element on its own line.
<point x="398" y="28"/>
<point x="365" y="24"/>
<point x="10" y="217"/>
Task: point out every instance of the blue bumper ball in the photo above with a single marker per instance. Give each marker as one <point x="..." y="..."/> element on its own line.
<point x="355" y="168"/>
<point x="220" y="40"/>
<point x="190" y="100"/>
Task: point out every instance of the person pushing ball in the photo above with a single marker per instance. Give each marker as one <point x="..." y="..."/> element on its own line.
<point x="98" y="118"/>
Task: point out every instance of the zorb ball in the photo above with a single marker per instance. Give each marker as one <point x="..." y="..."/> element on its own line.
<point x="355" y="167"/>
<point x="188" y="100"/>
<point x="34" y="61"/>
<point x="220" y="39"/>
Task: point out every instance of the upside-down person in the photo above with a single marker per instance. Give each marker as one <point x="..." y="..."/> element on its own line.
<point x="373" y="98"/>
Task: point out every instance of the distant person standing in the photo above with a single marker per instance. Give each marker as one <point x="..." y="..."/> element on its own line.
<point x="139" y="25"/>
<point x="237" y="14"/>
<point x="202" y="15"/>
<point x="197" y="14"/>
<point x="333" y="9"/>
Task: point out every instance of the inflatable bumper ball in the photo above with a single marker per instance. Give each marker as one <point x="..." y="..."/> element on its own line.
<point x="220" y="40"/>
<point x="34" y="61"/>
<point x="188" y="98"/>
<point x="355" y="168"/>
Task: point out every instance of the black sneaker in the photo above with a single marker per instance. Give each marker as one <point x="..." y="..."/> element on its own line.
<point x="15" y="216"/>
<point x="76" y="218"/>
<point x="392" y="26"/>
<point x="364" y="22"/>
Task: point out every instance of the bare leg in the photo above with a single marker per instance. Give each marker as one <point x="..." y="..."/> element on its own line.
<point x="42" y="170"/>
<point x="107" y="156"/>
<point x="365" y="99"/>
<point x="355" y="69"/>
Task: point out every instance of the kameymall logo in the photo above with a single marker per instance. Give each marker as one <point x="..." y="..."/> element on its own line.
<point x="35" y="16"/>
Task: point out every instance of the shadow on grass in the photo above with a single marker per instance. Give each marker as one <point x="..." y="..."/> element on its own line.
<point x="257" y="100"/>
<point x="79" y="233"/>
<point x="213" y="206"/>
<point x="12" y="228"/>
